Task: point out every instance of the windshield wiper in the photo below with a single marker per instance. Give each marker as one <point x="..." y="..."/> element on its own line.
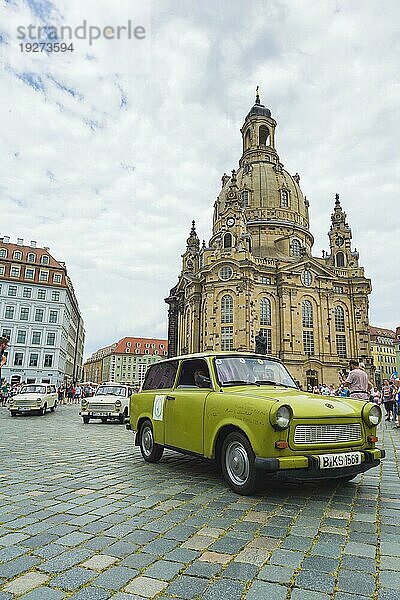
<point x="270" y="382"/>
<point x="240" y="382"/>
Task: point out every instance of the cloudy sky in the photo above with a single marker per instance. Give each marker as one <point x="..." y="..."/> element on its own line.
<point x="109" y="152"/>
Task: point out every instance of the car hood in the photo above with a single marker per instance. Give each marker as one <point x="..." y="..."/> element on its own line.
<point x="32" y="396"/>
<point x="304" y="405"/>
<point x="108" y="398"/>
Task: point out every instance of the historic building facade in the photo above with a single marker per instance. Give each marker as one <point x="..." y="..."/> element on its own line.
<point x="258" y="272"/>
<point x="40" y="315"/>
<point x="383" y="349"/>
<point x="125" y="361"/>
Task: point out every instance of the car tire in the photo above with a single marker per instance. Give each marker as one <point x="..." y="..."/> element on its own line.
<point x="238" y="463"/>
<point x="121" y="418"/>
<point x="13" y="413"/>
<point x="85" y="420"/>
<point x="104" y="419"/>
<point x="43" y="410"/>
<point x="151" y="451"/>
<point x="53" y="408"/>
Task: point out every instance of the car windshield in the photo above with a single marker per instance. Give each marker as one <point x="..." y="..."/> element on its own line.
<point x="110" y="390"/>
<point x="251" y="370"/>
<point x="33" y="389"/>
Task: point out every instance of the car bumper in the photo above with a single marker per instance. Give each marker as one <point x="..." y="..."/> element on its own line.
<point x="23" y="409"/>
<point x="307" y="468"/>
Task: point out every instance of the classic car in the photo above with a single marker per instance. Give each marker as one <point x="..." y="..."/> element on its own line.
<point x="37" y="397"/>
<point x="245" y="411"/>
<point x="110" y="401"/>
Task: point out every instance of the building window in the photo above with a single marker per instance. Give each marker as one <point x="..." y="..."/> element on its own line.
<point x="9" y="312"/>
<point x="18" y="359"/>
<point x="29" y="273"/>
<point x="45" y="259"/>
<point x="21" y="337"/>
<point x="24" y="314"/>
<point x="31" y="257"/>
<point x="263" y="134"/>
<point x="338" y="289"/>
<point x="295" y="248"/>
<point x="39" y="314"/>
<point x="306" y="278"/>
<point x="128" y="344"/>
<point x="33" y="359"/>
<point x="265" y="311"/>
<point x="3" y="253"/>
<point x="12" y="290"/>
<point x="228" y="240"/>
<point x="15" y="271"/>
<point x="17" y="255"/>
<point x="51" y="339"/>
<point x="244" y="199"/>
<point x="27" y="293"/>
<point x="36" y="337"/>
<point x="308" y="342"/>
<point x="307" y="313"/>
<point x="6" y="333"/>
<point x="341" y="345"/>
<point x="339" y="318"/>
<point x="340" y="259"/>
<point x="127" y="350"/>
<point x="226" y="338"/>
<point x="227" y="309"/>
<point x="55" y="296"/>
<point x="225" y="273"/>
<point x="53" y="316"/>
<point x="2" y="270"/>
<point x="267" y="333"/>
<point x="48" y="360"/>
<point x="161" y="346"/>
<point x="284" y="199"/>
<point x="41" y="294"/>
<point x="43" y="276"/>
<point x="265" y="280"/>
<point x="56" y="278"/>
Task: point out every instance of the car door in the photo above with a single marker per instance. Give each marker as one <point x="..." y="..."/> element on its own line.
<point x="184" y="409"/>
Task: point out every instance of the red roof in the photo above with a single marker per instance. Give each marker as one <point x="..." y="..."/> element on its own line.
<point x="381" y="331"/>
<point x="137" y="343"/>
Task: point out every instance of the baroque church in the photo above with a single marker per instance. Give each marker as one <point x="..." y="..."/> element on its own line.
<point x="258" y="272"/>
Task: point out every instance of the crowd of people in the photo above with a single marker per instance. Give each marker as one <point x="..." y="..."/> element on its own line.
<point x="67" y="394"/>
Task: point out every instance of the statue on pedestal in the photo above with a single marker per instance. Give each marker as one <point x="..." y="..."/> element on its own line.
<point x="261" y="343"/>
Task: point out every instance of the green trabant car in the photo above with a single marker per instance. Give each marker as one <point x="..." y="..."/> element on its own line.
<point x="245" y="411"/>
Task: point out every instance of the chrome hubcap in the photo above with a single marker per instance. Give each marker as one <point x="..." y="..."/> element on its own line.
<point x="147" y="440"/>
<point x="237" y="463"/>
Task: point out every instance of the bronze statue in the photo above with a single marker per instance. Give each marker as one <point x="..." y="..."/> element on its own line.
<point x="261" y="343"/>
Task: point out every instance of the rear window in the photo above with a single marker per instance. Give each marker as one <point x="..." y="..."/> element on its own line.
<point x="161" y="376"/>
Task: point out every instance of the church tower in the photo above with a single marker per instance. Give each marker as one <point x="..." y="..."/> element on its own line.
<point x="258" y="271"/>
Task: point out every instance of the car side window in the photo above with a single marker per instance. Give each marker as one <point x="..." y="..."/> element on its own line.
<point x="194" y="373"/>
<point x="161" y="376"/>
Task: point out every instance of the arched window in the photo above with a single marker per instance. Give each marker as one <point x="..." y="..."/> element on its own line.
<point x="339" y="318"/>
<point x="228" y="240"/>
<point x="45" y="259"/>
<point x="244" y="197"/>
<point x="340" y="259"/>
<point x="284" y="198"/>
<point x="265" y="311"/>
<point x="247" y="140"/>
<point x="3" y="253"/>
<point x="307" y="313"/>
<point x="263" y="135"/>
<point x="227" y="309"/>
<point x="17" y="255"/>
<point x="295" y="247"/>
<point x="31" y="257"/>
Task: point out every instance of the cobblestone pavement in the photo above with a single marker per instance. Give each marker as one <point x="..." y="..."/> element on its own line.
<point x="82" y="516"/>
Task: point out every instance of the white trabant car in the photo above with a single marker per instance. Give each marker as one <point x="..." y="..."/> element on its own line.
<point x="34" y="397"/>
<point x="110" y="401"/>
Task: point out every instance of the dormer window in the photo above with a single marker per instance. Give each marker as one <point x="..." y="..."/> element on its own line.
<point x="31" y="257"/>
<point x="17" y="255"/>
<point x="244" y="199"/>
<point x="295" y="247"/>
<point x="3" y="253"/>
<point x="284" y="199"/>
<point x="44" y="260"/>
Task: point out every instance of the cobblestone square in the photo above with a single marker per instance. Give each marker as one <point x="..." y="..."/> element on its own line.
<point x="82" y="516"/>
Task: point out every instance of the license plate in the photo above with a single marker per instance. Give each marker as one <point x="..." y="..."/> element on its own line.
<point x="98" y="414"/>
<point x="24" y="409"/>
<point x="344" y="459"/>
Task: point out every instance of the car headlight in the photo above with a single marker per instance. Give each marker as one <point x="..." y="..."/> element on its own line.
<point x="84" y="403"/>
<point x="281" y="418"/>
<point x="39" y="401"/>
<point x="118" y="404"/>
<point x="372" y="414"/>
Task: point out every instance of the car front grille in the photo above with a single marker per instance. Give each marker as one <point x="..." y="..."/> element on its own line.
<point x="23" y="402"/>
<point x="327" y="434"/>
<point x="101" y="407"/>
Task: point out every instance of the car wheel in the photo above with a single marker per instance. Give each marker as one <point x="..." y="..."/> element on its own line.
<point x="151" y="451"/>
<point x="121" y="418"/>
<point x="85" y="420"/>
<point x="13" y="414"/>
<point x="104" y="419"/>
<point x="43" y="410"/>
<point x="53" y="408"/>
<point x="237" y="462"/>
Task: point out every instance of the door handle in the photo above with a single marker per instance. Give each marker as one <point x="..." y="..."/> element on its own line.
<point x="170" y="397"/>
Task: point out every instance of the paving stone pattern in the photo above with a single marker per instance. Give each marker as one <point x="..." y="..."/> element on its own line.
<point x="82" y="516"/>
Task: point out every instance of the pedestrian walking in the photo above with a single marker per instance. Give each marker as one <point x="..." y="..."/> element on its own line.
<point x="357" y="382"/>
<point x="387" y="394"/>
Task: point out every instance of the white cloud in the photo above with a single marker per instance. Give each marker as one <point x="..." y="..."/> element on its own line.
<point x="110" y="169"/>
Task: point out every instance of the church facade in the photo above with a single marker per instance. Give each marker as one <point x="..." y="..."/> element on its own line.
<point x="258" y="272"/>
